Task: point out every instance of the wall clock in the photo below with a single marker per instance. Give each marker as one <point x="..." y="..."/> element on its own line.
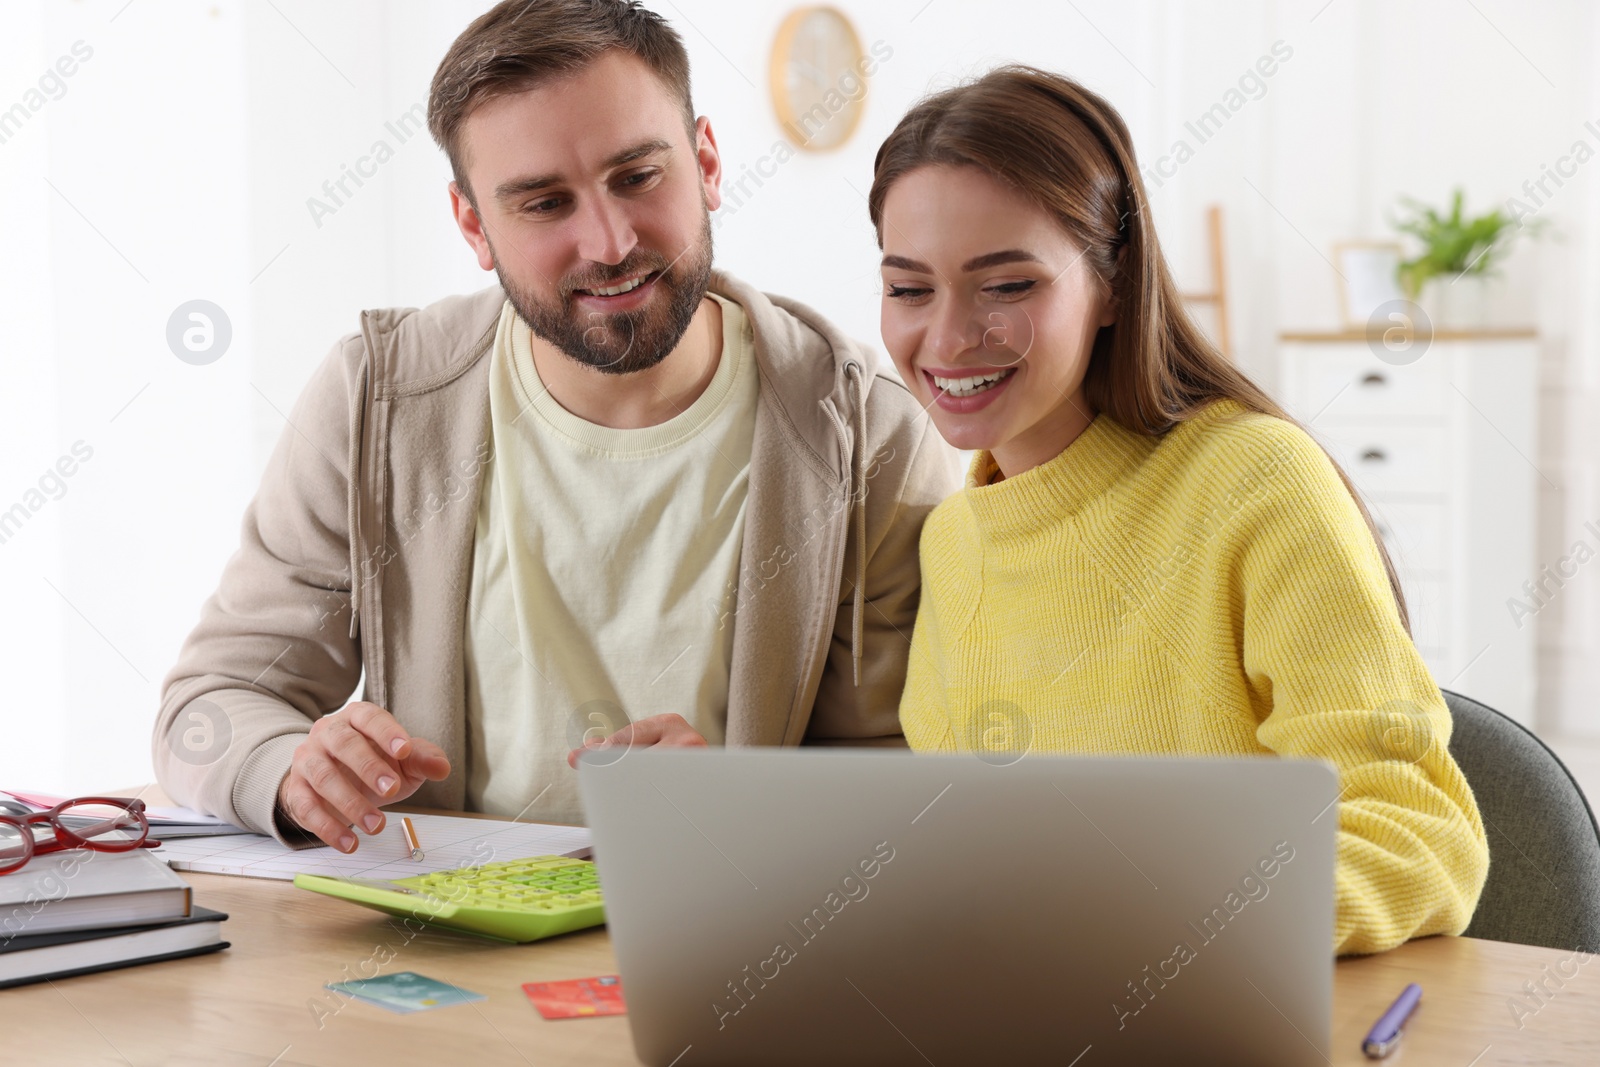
<point x="818" y="75"/>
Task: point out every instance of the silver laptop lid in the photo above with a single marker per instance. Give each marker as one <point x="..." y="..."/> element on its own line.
<point x="775" y="906"/>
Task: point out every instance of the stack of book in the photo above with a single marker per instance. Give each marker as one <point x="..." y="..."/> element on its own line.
<point x="77" y="911"/>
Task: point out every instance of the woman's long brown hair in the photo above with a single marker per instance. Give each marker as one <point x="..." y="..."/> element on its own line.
<point x="1068" y="150"/>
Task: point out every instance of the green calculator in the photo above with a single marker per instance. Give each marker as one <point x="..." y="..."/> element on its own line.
<point x="514" y="900"/>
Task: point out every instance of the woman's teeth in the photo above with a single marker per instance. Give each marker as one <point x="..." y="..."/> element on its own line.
<point x="971" y="386"/>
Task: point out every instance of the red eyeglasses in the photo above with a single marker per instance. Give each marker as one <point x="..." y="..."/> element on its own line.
<point x="103" y="824"/>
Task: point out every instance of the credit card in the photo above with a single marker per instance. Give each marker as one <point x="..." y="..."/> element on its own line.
<point x="406" y="992"/>
<point x="577" y="998"/>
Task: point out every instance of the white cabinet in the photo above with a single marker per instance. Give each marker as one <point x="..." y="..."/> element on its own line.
<point x="1442" y="450"/>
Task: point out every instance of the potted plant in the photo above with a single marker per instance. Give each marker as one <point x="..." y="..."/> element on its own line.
<point x="1449" y="277"/>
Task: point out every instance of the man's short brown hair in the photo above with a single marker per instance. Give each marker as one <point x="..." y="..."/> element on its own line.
<point x="519" y="44"/>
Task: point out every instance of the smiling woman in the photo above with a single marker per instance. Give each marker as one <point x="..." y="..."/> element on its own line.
<point x="1149" y="557"/>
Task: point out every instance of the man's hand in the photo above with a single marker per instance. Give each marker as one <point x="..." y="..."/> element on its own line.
<point x="352" y="762"/>
<point x="670" y="729"/>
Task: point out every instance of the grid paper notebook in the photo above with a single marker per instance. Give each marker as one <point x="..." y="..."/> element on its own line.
<point x="447" y="843"/>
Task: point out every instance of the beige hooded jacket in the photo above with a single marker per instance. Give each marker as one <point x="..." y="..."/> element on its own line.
<point x="356" y="555"/>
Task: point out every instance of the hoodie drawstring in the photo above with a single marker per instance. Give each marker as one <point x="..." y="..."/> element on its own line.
<point x="358" y="407"/>
<point x="858" y="493"/>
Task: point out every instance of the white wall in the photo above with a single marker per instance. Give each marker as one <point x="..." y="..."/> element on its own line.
<point x="123" y="200"/>
<point x="186" y="148"/>
<point x="32" y="641"/>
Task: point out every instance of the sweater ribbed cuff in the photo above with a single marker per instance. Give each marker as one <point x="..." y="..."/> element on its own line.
<point x="255" y="791"/>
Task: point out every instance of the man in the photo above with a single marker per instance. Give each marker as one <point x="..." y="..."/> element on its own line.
<point x="617" y="489"/>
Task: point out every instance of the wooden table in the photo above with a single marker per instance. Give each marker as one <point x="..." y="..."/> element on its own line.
<point x="262" y="1002"/>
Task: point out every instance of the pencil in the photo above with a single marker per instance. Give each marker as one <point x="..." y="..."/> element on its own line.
<point x="411" y="838"/>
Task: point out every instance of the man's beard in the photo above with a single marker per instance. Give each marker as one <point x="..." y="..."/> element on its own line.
<point x="621" y="342"/>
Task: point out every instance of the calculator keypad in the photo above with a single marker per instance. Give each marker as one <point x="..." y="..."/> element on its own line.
<point x="543" y="885"/>
<point x="518" y="900"/>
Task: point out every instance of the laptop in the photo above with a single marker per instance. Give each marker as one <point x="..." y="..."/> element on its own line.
<point x="772" y="906"/>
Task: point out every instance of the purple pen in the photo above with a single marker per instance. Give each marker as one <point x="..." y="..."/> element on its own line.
<point x="1385" y="1033"/>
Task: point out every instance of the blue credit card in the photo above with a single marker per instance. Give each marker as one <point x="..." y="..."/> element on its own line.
<point x="406" y="992"/>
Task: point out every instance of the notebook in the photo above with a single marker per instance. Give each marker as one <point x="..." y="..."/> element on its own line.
<point x="79" y="889"/>
<point x="165" y="822"/>
<point x="36" y="957"/>
<point x="448" y="842"/>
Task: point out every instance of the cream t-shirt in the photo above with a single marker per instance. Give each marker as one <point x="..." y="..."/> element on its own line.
<point x="604" y="572"/>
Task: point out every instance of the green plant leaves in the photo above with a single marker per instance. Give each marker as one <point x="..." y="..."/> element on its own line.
<point x="1451" y="244"/>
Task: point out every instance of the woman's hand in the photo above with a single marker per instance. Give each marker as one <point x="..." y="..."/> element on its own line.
<point x="669" y="729"/>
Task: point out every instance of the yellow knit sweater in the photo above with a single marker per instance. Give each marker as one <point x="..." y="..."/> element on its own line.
<point x="1211" y="592"/>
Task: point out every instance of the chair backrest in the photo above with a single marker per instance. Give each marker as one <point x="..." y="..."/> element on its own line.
<point x="1544" y="846"/>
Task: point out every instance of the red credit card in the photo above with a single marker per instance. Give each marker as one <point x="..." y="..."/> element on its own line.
<point x="577" y="998"/>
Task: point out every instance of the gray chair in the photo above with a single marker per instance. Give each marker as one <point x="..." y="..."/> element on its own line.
<point x="1544" y="846"/>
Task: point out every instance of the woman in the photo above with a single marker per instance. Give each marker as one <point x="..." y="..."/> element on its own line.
<point x="1150" y="556"/>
